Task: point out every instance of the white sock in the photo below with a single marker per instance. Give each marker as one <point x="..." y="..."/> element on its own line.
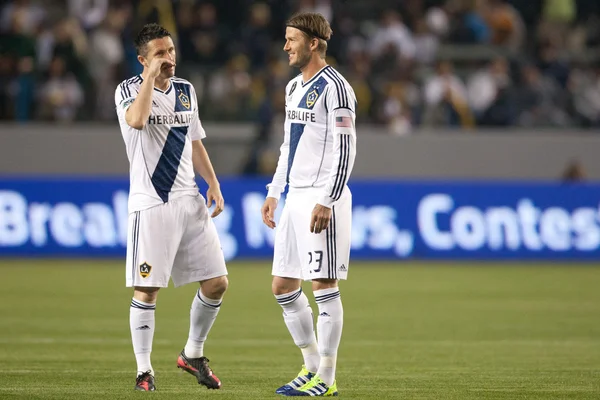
<point x="141" y="323"/>
<point x="202" y="317"/>
<point x="298" y="318"/>
<point x="329" y="330"/>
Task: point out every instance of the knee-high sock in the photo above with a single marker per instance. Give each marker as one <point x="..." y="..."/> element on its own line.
<point x="329" y="330"/>
<point x="298" y="318"/>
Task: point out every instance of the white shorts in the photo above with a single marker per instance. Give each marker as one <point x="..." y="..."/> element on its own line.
<point x="177" y="240"/>
<point x="304" y="255"/>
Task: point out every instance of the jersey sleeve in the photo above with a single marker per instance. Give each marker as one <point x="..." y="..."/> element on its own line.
<point x="124" y="95"/>
<point x="196" y="129"/>
<point x="341" y="120"/>
<point x="279" y="182"/>
<point x="339" y="96"/>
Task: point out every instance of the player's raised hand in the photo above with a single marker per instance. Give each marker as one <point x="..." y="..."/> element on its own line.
<point x="320" y="218"/>
<point x="157" y="64"/>
<point x="213" y="194"/>
<point x="268" y="211"/>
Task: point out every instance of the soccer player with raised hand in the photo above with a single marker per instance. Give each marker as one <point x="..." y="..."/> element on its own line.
<point x="170" y="232"/>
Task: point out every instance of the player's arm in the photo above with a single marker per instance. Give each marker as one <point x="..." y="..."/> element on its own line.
<point x="344" y="152"/>
<point x="201" y="161"/>
<point x="138" y="112"/>
<point x="204" y="168"/>
<point x="341" y="118"/>
<point x="279" y="182"/>
<point x="277" y="185"/>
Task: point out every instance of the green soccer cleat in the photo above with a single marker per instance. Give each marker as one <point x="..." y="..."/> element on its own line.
<point x="315" y="388"/>
<point x="302" y="379"/>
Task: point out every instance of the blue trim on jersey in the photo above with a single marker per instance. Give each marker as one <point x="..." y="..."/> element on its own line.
<point x="157" y="89"/>
<point x="333" y="237"/>
<point x="182" y="96"/>
<point x="313" y="93"/>
<point x="166" y="170"/>
<point x="339" y="84"/>
<point x="125" y="90"/>
<point x="342" y="172"/>
<point x="165" y="91"/>
<point x="170" y="88"/>
<point x="296" y="131"/>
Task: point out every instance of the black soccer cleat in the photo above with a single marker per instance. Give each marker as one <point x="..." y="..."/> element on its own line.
<point x="200" y="369"/>
<point x="145" y="382"/>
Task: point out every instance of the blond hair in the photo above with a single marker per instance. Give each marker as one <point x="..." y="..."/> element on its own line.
<point x="312" y="25"/>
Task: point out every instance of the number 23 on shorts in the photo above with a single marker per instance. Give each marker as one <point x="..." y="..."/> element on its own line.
<point x="317" y="258"/>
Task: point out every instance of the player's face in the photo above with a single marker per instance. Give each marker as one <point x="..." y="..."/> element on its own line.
<point x="162" y="48"/>
<point x="297" y="47"/>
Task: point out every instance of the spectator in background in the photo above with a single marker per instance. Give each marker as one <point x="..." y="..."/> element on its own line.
<point x="230" y="90"/>
<point x="438" y="21"/>
<point x="30" y="16"/>
<point x="89" y="13"/>
<point x="19" y="45"/>
<point x="201" y="37"/>
<point x="557" y="17"/>
<point x="426" y="43"/>
<point x="552" y="62"/>
<point x="19" y="41"/>
<point x="574" y="172"/>
<point x="22" y="89"/>
<point x="489" y="95"/>
<point x="392" y="40"/>
<point x="105" y="59"/>
<point x="71" y="46"/>
<point x="6" y="66"/>
<point x="61" y="96"/>
<point x="359" y="77"/>
<point x="540" y="100"/>
<point x="507" y="27"/>
<point x="257" y="38"/>
<point x="446" y="98"/>
<point x="377" y="51"/>
<point x="209" y="38"/>
<point x="394" y="111"/>
<point x="584" y="84"/>
<point x="159" y="11"/>
<point x="469" y="25"/>
<point x="323" y="7"/>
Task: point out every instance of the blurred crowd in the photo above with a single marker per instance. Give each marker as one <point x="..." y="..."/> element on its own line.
<point x="463" y="63"/>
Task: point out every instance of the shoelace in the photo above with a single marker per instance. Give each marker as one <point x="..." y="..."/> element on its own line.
<point x="146" y="375"/>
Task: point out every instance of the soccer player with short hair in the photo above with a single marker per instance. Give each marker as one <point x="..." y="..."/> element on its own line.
<point x="313" y="235"/>
<point x="170" y="233"/>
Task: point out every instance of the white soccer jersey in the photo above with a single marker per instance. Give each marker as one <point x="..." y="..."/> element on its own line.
<point x="319" y="143"/>
<point x="160" y="154"/>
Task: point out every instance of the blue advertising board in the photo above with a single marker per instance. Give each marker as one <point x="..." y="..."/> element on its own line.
<point x="391" y="219"/>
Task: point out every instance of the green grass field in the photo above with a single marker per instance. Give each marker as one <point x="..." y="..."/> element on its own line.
<point x="418" y="331"/>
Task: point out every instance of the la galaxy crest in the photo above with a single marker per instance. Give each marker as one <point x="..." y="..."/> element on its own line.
<point x="311" y="98"/>
<point x="145" y="270"/>
<point x="184" y="100"/>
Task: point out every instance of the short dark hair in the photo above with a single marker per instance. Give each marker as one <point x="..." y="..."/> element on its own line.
<point x="148" y="33"/>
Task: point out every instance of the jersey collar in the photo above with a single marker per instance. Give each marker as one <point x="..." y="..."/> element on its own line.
<point x="314" y="77"/>
<point x="158" y="90"/>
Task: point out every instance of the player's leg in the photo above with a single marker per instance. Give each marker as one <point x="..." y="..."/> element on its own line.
<point x="297" y="314"/>
<point x="200" y="259"/>
<point x="328" y="263"/>
<point x="148" y="269"/>
<point x="142" y="323"/>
